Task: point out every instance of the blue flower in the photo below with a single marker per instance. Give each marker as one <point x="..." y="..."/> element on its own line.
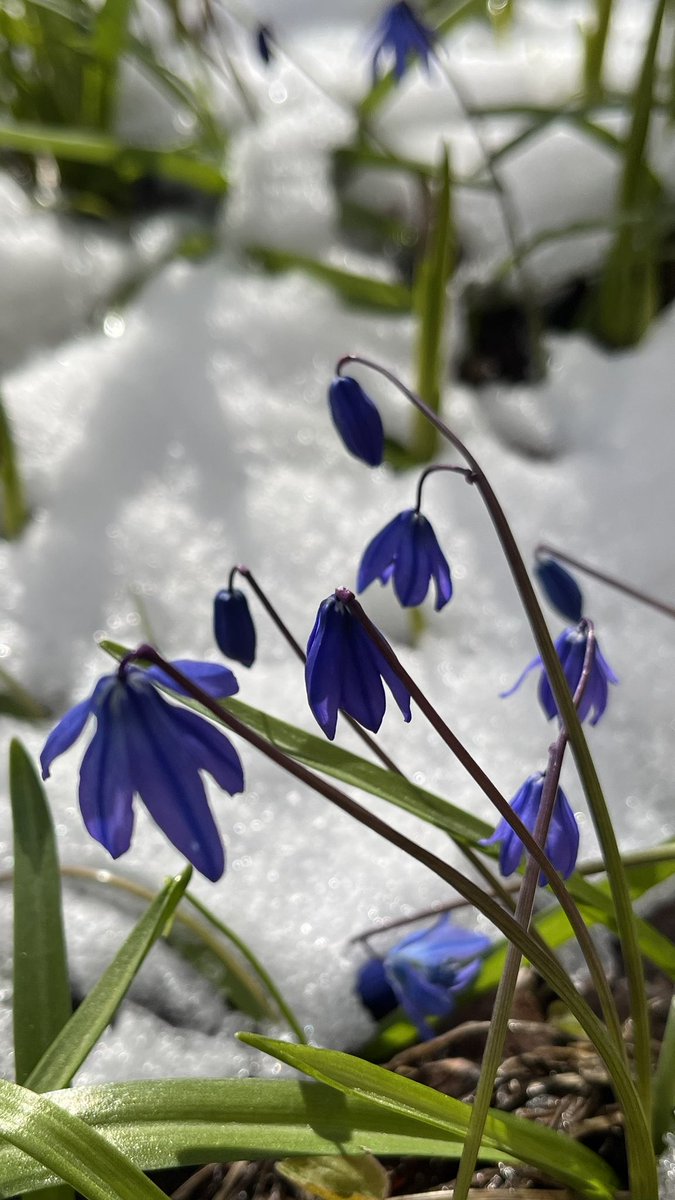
<point x="561" y="588"/>
<point x="345" y="670"/>
<point x="144" y="745"/>
<point x="571" y="648"/>
<point x="263" y="41"/>
<point x="374" y="989"/>
<point x="233" y="626"/>
<point x="402" y="34"/>
<point x="407" y="551"/>
<point x="357" y="420"/>
<point x="562" y="843"/>
<point x="428" y="970"/>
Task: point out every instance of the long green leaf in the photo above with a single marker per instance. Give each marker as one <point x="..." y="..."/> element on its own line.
<point x="176" y="1122"/>
<point x="14" y="507"/>
<point x="69" y="1148"/>
<point x="42" y="1003"/>
<point x="560" y="1157"/>
<point x="430" y="301"/>
<point x="361" y="290"/>
<point x="68" y="1051"/>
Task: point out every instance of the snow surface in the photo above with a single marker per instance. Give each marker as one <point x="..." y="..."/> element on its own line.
<point x="191" y="431"/>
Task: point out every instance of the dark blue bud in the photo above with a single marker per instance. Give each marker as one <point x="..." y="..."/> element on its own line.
<point x="374" y="990"/>
<point x="561" y="589"/>
<point x="263" y="41"/>
<point x="233" y="627"/>
<point x="357" y="420"/>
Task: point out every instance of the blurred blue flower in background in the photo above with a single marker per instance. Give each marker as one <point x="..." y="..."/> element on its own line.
<point x="146" y="746"/>
<point x="345" y="670"/>
<point x="401" y="34"/>
<point x="571" y="649"/>
<point x="561" y="589"/>
<point x="407" y="552"/>
<point x="233" y="626"/>
<point x="562" y="843"/>
<point x="357" y="420"/>
<point x="424" y="973"/>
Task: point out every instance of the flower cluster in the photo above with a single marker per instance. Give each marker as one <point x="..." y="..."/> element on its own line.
<point x="145" y="746"/>
<point x="424" y="973"/>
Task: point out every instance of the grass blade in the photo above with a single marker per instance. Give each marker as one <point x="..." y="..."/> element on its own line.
<point x="355" y="289"/>
<point x="575" y="1165"/>
<point x="42" y="1002"/>
<point x="70" y="1048"/>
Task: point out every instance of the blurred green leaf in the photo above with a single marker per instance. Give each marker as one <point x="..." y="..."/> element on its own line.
<point x="360" y="290"/>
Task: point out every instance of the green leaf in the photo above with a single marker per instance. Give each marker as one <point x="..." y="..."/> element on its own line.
<point x="70" y="1048"/>
<point x="360" y="290"/>
<point x="42" y="1003"/>
<point x="430" y="302"/>
<point x="68" y="1148"/>
<point x="178" y="1122"/>
<point x="558" y="1156"/>
<point x="129" y="162"/>
<point x="663" y="1119"/>
<point x="14" y="508"/>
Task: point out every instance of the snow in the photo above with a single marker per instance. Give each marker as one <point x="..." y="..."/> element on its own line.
<point x="190" y="432"/>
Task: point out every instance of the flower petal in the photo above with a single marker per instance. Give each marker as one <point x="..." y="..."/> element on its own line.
<point x="213" y="678"/>
<point x="106" y="791"/>
<point x="379" y="555"/>
<point x="233" y="626"/>
<point x="440" y="570"/>
<point x="357" y="420"/>
<point x="165" y="775"/>
<point x="323" y="669"/>
<point x="532" y="666"/>
<point x="212" y="750"/>
<point x="444" y="941"/>
<point x="361" y="692"/>
<point x="562" y="844"/>
<point x="71" y="725"/>
<point x="413" y="567"/>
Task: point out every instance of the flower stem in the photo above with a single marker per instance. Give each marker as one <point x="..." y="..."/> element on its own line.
<point x="468" y="475"/>
<point x="635" y="593"/>
<point x="625" y="917"/>
<point x="501" y="1012"/>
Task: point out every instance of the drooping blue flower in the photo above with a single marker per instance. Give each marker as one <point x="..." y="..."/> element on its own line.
<point x="263" y="41"/>
<point x="571" y="649"/>
<point x="357" y="420"/>
<point x="145" y="746"/>
<point x="345" y="669"/>
<point x="407" y="552"/>
<point x="561" y="588"/>
<point x="401" y="34"/>
<point x="233" y="626"/>
<point x="562" y="843"/>
<point x="429" y="968"/>
<point x="374" y="989"/>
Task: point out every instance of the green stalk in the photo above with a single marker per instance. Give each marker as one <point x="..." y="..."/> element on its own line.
<point x="595" y="42"/>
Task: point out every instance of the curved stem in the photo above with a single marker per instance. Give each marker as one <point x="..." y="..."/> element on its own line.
<point x="602" y="822"/>
<point x="468" y="475"/>
<point x="541" y="957"/>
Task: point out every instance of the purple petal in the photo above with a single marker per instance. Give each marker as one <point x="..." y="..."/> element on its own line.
<point x="218" y="681"/>
<point x="536" y="662"/>
<point x="396" y="686"/>
<point x="440" y="570"/>
<point x="379" y="555"/>
<point x="361" y="693"/>
<point x="413" y="567"/>
<point x="562" y="844"/>
<point x="323" y="668"/>
<point x="210" y="749"/>
<point x="106" y="792"/>
<point x="71" y="725"/>
<point x="165" y="776"/>
<point x="444" y="941"/>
